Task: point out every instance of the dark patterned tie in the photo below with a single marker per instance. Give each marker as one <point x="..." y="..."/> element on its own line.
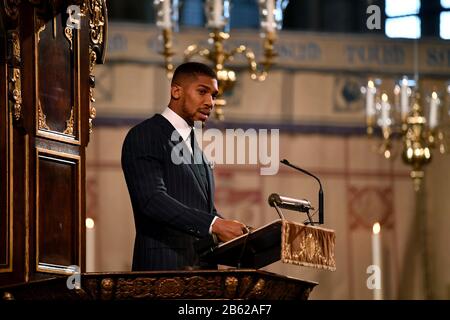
<point x="197" y="153"/>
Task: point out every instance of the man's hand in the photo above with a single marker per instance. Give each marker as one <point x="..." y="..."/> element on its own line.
<point x="227" y="230"/>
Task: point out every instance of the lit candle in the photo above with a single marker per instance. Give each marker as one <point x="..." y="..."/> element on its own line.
<point x="376" y="257"/>
<point x="167" y="21"/>
<point x="370" y="93"/>
<point x="90" y="245"/>
<point x="385" y="120"/>
<point x="404" y="100"/>
<point x="270" y="15"/>
<point x="433" y="110"/>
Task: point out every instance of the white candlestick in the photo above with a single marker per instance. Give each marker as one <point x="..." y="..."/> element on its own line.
<point x="370" y="94"/>
<point x="167" y="21"/>
<point x="385" y="120"/>
<point x="404" y="100"/>
<point x="433" y="110"/>
<point x="376" y="258"/>
<point x="90" y="245"/>
<point x="217" y="13"/>
<point x="270" y="15"/>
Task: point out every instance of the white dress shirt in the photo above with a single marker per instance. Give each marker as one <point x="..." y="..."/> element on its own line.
<point x="180" y="125"/>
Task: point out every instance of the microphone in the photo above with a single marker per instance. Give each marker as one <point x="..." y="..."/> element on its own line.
<point x="321" y="217"/>
<point x="301" y="205"/>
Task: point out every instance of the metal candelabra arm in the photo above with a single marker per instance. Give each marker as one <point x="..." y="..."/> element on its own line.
<point x="168" y="52"/>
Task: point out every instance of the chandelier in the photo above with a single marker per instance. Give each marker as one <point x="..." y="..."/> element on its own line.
<point x="218" y="13"/>
<point x="418" y="117"/>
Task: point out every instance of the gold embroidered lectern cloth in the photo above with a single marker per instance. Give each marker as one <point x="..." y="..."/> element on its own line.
<point x="308" y="246"/>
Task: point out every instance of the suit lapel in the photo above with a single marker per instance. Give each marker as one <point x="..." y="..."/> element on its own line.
<point x="187" y="158"/>
<point x="196" y="173"/>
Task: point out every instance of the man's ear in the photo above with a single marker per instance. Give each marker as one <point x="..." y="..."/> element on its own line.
<point x="176" y="91"/>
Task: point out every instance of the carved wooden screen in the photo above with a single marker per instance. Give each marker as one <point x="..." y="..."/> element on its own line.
<point x="49" y="51"/>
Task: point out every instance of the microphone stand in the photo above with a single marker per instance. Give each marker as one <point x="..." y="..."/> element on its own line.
<point x="279" y="212"/>
<point x="321" y="216"/>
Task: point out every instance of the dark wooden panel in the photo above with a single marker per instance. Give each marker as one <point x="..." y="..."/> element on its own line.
<point x="56" y="71"/>
<point x="44" y="63"/>
<point x="58" y="216"/>
<point x="4" y="156"/>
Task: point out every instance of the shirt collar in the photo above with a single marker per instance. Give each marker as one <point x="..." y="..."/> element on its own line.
<point x="177" y="122"/>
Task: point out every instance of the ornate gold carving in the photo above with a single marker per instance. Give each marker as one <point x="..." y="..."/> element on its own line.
<point x="169" y="288"/>
<point x="200" y="286"/>
<point x="139" y="288"/>
<point x="16" y="93"/>
<point x="15" y="43"/>
<point x="42" y="125"/>
<point x="258" y="289"/>
<point x="96" y="21"/>
<point x="11" y="8"/>
<point x="83" y="8"/>
<point x="245" y="285"/>
<point x="92" y="111"/>
<point x="132" y="286"/>
<point x="231" y="284"/>
<point x="92" y="59"/>
<point x="14" y="85"/>
<point x="68" y="33"/>
<point x="97" y="26"/>
<point x="69" y="124"/>
<point x="107" y="286"/>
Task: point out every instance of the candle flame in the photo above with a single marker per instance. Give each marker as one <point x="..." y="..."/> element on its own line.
<point x="376" y="228"/>
<point x="90" y="223"/>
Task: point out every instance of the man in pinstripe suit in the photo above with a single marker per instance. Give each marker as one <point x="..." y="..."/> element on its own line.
<point x="173" y="203"/>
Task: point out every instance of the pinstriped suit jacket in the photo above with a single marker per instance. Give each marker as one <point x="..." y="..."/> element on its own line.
<point x="172" y="207"/>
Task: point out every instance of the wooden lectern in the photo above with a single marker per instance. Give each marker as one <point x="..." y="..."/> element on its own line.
<point x="282" y="240"/>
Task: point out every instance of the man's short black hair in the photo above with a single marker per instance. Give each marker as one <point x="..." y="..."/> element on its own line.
<point x="192" y="69"/>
